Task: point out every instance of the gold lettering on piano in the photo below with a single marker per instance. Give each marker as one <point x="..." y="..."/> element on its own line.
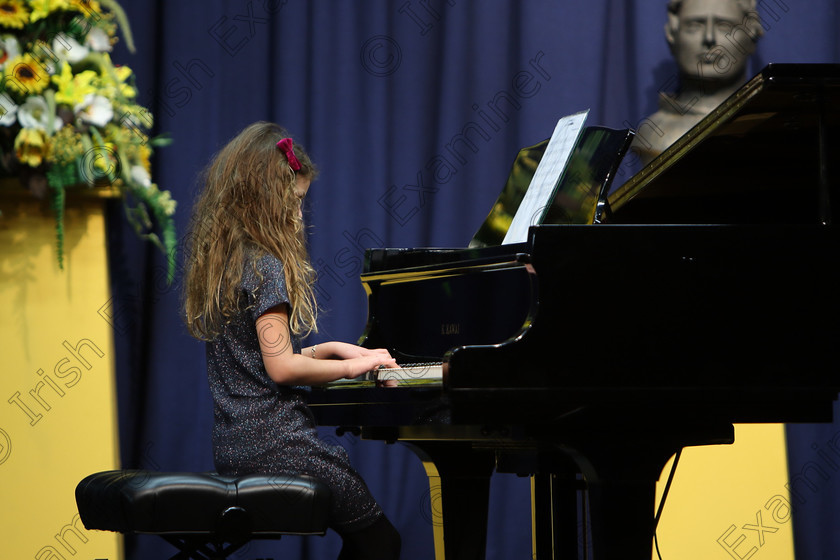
<point x="450" y="328"/>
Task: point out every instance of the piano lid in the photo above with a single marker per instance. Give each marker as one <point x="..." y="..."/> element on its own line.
<point x="761" y="157"/>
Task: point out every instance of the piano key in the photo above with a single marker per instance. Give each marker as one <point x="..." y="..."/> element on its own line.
<point x="410" y="373"/>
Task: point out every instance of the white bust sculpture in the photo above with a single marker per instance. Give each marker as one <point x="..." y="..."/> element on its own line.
<point x="711" y="41"/>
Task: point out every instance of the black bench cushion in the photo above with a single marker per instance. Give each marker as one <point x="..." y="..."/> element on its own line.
<point x="194" y="503"/>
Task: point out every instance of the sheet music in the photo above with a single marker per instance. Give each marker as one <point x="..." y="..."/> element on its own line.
<point x="540" y="193"/>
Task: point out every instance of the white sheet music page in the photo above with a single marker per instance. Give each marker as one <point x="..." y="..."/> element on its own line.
<point x="540" y="191"/>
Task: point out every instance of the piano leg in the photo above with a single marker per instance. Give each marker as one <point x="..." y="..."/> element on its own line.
<point x="621" y="469"/>
<point x="622" y="519"/>
<point x="555" y="512"/>
<point x="459" y="483"/>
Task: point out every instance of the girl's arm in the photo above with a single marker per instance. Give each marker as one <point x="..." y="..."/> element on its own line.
<point x="287" y="368"/>
<point x="335" y="350"/>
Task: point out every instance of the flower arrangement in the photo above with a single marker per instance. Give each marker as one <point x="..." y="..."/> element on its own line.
<point x="68" y="116"/>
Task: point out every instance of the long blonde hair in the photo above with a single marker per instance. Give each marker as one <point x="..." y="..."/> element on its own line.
<point x="247" y="208"/>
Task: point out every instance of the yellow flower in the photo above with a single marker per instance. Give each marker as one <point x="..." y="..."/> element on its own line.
<point x="43" y="8"/>
<point x="72" y="88"/>
<point x="106" y="158"/>
<point x="31" y="146"/>
<point x="65" y="146"/>
<point x="145" y="152"/>
<point x="25" y="75"/>
<point x="164" y="199"/>
<point x="123" y="74"/>
<point x="85" y="6"/>
<point x="114" y="78"/>
<point x="13" y="14"/>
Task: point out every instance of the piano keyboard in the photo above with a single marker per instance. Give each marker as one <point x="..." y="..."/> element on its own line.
<point x="430" y="373"/>
<point x="409" y="374"/>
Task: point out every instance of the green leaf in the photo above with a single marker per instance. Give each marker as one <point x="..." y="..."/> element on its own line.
<point x="122" y="19"/>
<point x="161" y="140"/>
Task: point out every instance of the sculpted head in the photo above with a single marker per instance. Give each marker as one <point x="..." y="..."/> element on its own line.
<point x="713" y="39"/>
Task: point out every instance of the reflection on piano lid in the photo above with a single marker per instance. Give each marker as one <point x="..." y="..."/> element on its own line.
<point x="580" y="191"/>
<point x="764" y="156"/>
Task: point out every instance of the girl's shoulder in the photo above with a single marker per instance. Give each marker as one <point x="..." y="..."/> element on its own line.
<point x="264" y="284"/>
<point x="260" y="267"/>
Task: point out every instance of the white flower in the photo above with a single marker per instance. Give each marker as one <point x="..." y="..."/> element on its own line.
<point x="34" y="113"/>
<point x="8" y="110"/>
<point x="67" y="48"/>
<point x="98" y="40"/>
<point x="95" y="110"/>
<point x="9" y="49"/>
<point x="140" y="176"/>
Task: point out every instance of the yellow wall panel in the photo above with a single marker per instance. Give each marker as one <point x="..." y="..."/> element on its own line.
<point x="729" y="501"/>
<point x="58" y="418"/>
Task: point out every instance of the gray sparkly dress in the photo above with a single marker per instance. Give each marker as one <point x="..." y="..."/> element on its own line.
<point x="263" y="427"/>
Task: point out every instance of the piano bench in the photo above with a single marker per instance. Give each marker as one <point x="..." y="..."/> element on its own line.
<point x="204" y="515"/>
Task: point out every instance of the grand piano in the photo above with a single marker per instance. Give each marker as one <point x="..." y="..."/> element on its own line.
<point x="701" y="293"/>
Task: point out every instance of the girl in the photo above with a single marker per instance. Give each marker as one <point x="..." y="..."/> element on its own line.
<point x="249" y="294"/>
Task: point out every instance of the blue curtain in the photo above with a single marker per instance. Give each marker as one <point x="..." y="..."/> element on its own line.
<point x="414" y="110"/>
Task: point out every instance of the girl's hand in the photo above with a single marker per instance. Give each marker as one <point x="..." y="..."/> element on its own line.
<point x="369" y="362"/>
<point x="362" y="360"/>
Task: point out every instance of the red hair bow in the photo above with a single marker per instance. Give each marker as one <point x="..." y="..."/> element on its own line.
<point x="286" y="145"/>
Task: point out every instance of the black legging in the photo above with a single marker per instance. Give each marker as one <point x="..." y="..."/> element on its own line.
<point x="379" y="541"/>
